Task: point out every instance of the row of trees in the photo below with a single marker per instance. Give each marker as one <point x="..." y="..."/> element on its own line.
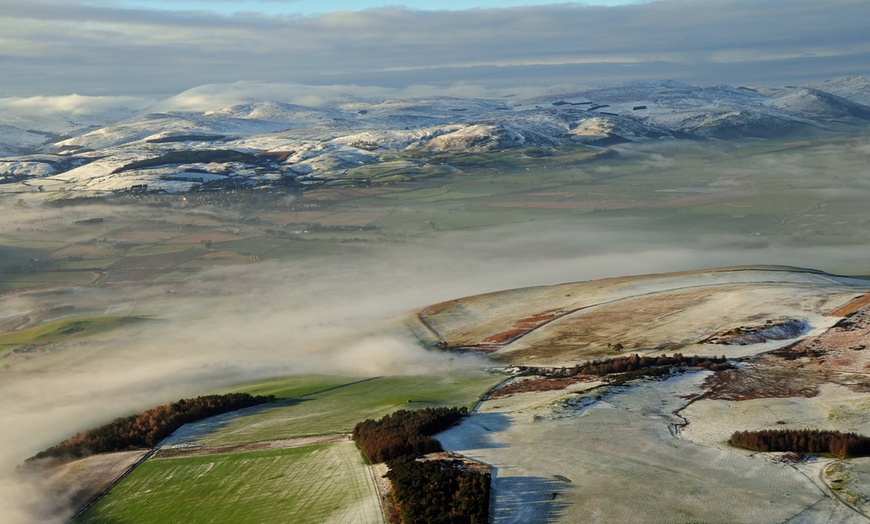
<point x="842" y="445"/>
<point x="404" y="432"/>
<point x="636" y="362"/>
<point x="425" y="491"/>
<point x="635" y="366"/>
<point x="439" y="491"/>
<point x="150" y="427"/>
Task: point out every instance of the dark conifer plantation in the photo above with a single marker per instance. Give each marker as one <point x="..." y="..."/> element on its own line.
<point x="404" y="432"/>
<point x="425" y="491"/>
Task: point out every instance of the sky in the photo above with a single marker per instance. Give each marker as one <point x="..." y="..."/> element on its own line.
<point x="317" y="7"/>
<point x="161" y="48"/>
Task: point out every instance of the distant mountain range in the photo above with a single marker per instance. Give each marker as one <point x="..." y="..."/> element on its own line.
<point x="267" y="143"/>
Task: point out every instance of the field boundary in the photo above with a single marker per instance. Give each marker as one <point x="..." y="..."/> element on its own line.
<point x="197" y="450"/>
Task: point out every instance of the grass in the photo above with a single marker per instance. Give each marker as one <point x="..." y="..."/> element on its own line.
<point x="160" y="249"/>
<point x="62" y="330"/>
<point x="296" y="386"/>
<point x="48" y="278"/>
<point x="84" y="263"/>
<point x="338" y="410"/>
<point x="319" y="483"/>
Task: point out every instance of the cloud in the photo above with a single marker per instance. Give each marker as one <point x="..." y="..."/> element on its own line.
<point x="61" y="47"/>
<point x="73" y="105"/>
<point x="218" y="96"/>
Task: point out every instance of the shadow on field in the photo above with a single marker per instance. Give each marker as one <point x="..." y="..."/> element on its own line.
<point x="477" y="431"/>
<point x="192" y="432"/>
<point x="527" y="499"/>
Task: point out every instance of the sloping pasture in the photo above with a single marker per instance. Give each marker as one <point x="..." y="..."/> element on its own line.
<point x="672" y="321"/>
<point x="563" y="324"/>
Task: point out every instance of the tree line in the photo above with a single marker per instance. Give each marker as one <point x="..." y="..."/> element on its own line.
<point x="404" y="432"/>
<point x="842" y="445"/>
<point x="634" y="366"/>
<point x="425" y="491"/>
<point x="148" y="428"/>
<point x="635" y="362"/>
<point x="439" y="491"/>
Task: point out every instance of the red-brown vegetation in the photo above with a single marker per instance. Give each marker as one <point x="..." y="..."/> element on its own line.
<point x="526" y="325"/>
<point x="839" y="444"/>
<point x="619" y="369"/>
<point x="837" y="356"/>
<point x="763" y="381"/>
<point x="147" y="429"/>
<point x="851" y="307"/>
<point x="536" y="384"/>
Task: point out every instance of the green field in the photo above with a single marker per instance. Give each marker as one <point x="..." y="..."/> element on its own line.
<point x="296" y="386"/>
<point x="62" y="330"/>
<point x="38" y="279"/>
<point x="320" y="483"/>
<point x="315" y="483"/>
<point x="339" y="409"/>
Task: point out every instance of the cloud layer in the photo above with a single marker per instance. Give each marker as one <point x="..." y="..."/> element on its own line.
<point x="60" y="47"/>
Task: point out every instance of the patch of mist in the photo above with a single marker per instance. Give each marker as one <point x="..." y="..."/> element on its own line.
<point x="74" y="105"/>
<point x="219" y="96"/>
<point x="23" y="501"/>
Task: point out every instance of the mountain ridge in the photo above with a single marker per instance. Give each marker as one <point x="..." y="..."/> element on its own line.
<point x="314" y="143"/>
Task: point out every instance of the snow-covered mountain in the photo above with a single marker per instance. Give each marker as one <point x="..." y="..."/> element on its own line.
<point x="266" y="143"/>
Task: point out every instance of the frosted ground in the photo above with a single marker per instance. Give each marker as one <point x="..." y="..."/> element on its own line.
<point x="555" y="463"/>
<point x="663" y="444"/>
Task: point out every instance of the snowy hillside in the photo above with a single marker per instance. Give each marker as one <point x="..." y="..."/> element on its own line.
<point x="178" y="146"/>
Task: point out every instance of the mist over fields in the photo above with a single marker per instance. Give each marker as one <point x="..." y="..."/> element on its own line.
<point x="227" y="325"/>
<point x="197" y="195"/>
<point x="656" y="206"/>
<point x="233" y="325"/>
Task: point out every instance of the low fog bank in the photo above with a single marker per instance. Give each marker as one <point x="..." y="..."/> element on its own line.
<point x="333" y="315"/>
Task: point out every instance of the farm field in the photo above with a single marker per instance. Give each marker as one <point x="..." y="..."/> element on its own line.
<point x="242" y="288"/>
<point x="554" y="467"/>
<point x="559" y="454"/>
<point x="571" y="323"/>
<point x="76" y="483"/>
<point x="755" y="197"/>
<point x="338" y="409"/>
<point x="321" y="483"/>
<point x="296" y="386"/>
